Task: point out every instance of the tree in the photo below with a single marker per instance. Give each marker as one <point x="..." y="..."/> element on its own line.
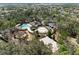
<point x="76" y="51"/>
<point x="49" y="33"/>
<point x="35" y="47"/>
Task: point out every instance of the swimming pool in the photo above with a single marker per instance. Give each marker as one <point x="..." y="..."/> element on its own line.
<point x="24" y="26"/>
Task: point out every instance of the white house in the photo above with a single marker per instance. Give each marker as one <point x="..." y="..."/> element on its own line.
<point x="42" y="30"/>
<point x="48" y="41"/>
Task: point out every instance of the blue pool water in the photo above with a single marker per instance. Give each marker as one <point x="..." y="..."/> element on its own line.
<point x="24" y="26"/>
